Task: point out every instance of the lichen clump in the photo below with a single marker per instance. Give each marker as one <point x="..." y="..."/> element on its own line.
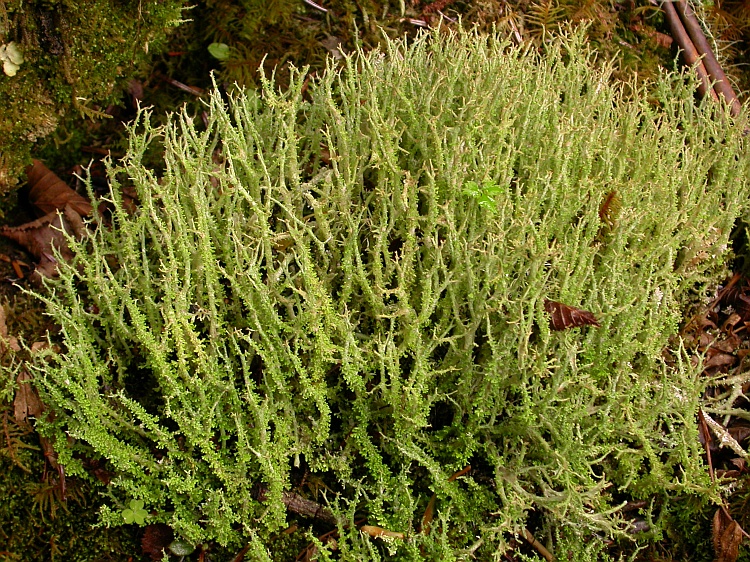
<point x="348" y="279"/>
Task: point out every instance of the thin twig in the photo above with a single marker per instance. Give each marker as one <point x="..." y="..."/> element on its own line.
<point x="721" y="85"/>
<point x="689" y="52"/>
<point x="241" y="554"/>
<point x="316" y="6"/>
<point x="184" y="87"/>
<point x="418" y="23"/>
<point x="538" y="546"/>
<point x="301" y="506"/>
<point x="706" y="442"/>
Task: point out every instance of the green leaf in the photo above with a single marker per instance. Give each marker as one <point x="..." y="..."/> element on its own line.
<point x="484" y="194"/>
<point x="219" y="50"/>
<point x="136" y="514"/>
<point x="181" y="548"/>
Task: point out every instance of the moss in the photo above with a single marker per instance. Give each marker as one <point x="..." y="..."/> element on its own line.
<point x="75" y="54"/>
<point x="360" y="315"/>
<point x="271" y="34"/>
<point x="35" y="525"/>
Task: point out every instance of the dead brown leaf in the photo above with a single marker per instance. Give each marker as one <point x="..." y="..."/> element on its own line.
<point x="663" y="40"/>
<point x="563" y="316"/>
<point x="728" y="474"/>
<point x="740" y="432"/>
<point x="26" y="403"/>
<point x="135" y="89"/>
<point x="743" y="306"/>
<point x="42" y="235"/>
<point x="728" y="345"/>
<point x="156" y="539"/>
<point x="6" y="341"/>
<point x="374" y="531"/>
<point x="719" y="360"/>
<point x="96" y="468"/>
<point x="48" y="193"/>
<point x="731" y="322"/>
<point x="727" y="536"/>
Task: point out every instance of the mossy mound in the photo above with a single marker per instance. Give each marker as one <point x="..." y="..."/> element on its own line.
<point x="351" y="278"/>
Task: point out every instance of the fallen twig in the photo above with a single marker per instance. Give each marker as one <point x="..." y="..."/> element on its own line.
<point x="706" y="434"/>
<point x="316" y="6"/>
<point x="721" y="85"/>
<point x="198" y="92"/>
<point x="301" y="506"/>
<point x="689" y="52"/>
<point x="538" y="546"/>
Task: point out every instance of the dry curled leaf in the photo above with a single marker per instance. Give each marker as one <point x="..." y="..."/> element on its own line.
<point x="26" y="403"/>
<point x="48" y="193"/>
<point x="42" y="235"/>
<point x="374" y="531"/>
<point x="96" y="468"/>
<point x="6" y="341"/>
<point x="563" y="316"/>
<point x="719" y="360"/>
<point x="727" y="536"/>
<point x="156" y="539"/>
<point x="610" y="209"/>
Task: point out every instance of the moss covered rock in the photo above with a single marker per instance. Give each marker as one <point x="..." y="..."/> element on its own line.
<point x="73" y="54"/>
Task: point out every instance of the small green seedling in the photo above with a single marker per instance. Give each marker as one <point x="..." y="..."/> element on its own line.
<point x="219" y="50"/>
<point x="484" y="194"/>
<point x="136" y="514"/>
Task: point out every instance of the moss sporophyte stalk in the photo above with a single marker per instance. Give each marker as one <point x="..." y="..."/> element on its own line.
<point x="351" y="284"/>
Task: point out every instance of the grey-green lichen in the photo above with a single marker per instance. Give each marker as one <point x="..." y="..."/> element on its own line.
<point x="11" y="57"/>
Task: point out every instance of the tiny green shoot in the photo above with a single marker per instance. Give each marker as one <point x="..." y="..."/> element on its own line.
<point x="484" y="194"/>
<point x="135" y="514"/>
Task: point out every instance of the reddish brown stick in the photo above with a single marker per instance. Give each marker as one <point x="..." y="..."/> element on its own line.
<point x="703" y="427"/>
<point x="721" y="84"/>
<point x="301" y="506"/>
<point x="689" y="52"/>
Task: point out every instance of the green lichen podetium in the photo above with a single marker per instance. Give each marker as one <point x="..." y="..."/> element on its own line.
<point x="75" y="54"/>
<point x="359" y="316"/>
